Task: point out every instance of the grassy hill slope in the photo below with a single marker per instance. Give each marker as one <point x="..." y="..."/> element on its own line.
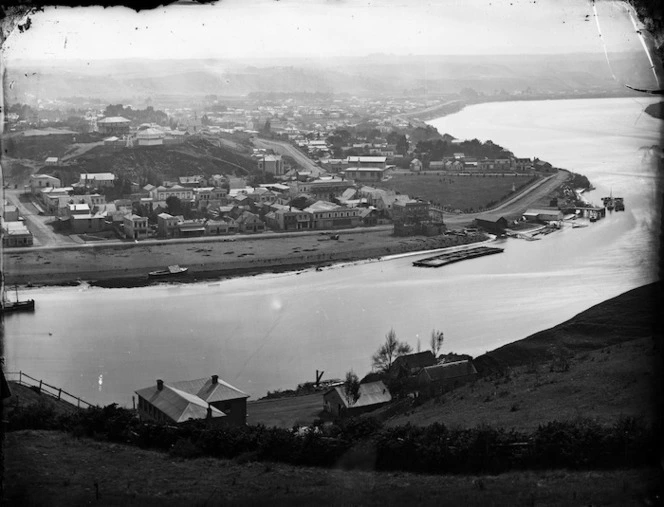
<point x="604" y="363"/>
<point x="195" y="156"/>
<point x="634" y="314"/>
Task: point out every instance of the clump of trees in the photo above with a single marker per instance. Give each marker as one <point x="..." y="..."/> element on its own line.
<point x="352" y="387"/>
<point x="436" y="343"/>
<point x="147" y="115"/>
<point x="391" y="349"/>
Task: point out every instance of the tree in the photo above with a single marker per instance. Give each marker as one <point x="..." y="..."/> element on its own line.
<point x="436" y="342"/>
<point x="389" y="351"/>
<point x="174" y="205"/>
<point x="352" y="387"/>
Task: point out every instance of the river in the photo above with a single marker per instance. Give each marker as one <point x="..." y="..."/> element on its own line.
<point x="275" y="330"/>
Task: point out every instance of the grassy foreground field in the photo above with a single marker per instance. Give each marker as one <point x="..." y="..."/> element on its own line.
<point x="285" y="412"/>
<point x="56" y="469"/>
<point x="456" y="192"/>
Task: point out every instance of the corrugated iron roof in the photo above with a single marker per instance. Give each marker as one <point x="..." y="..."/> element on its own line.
<point x="372" y="393"/>
<point x="209" y="392"/>
<point x="177" y="404"/>
<point x="450" y="370"/>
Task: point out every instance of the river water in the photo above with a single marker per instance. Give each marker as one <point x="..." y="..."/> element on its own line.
<point x="275" y="330"/>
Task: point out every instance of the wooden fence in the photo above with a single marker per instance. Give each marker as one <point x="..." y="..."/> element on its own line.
<point x="24" y="379"/>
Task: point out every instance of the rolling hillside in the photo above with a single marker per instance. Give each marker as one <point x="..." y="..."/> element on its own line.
<point x="195" y="156"/>
<point x="127" y="79"/>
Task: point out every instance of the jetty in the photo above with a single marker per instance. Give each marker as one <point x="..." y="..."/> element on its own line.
<point x="444" y="259"/>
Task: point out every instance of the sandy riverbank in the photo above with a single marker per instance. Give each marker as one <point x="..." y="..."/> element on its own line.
<point x="128" y="266"/>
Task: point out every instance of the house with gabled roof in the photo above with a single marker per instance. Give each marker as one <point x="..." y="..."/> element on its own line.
<point x="208" y="398"/>
<point x="411" y="364"/>
<point x="494" y="223"/>
<point x="440" y="378"/>
<point x="371" y="396"/>
<point x="249" y="222"/>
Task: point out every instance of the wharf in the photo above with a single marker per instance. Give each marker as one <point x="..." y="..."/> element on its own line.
<point x="450" y="257"/>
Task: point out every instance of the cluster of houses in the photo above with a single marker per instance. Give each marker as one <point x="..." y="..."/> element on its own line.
<point x="419" y="374"/>
<point x="460" y="163"/>
<point x="219" y="403"/>
<point x="228" y="205"/>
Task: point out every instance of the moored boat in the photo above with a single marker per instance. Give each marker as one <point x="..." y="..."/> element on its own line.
<point x="174" y="270"/>
<point x="18" y="306"/>
<point x="7" y="306"/>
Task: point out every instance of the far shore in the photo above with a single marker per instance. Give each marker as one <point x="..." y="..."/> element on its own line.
<point x="129" y="267"/>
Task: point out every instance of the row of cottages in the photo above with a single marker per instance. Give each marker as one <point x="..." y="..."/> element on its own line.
<point x="371" y="396"/>
<point x="430" y="376"/>
<point x="460" y="163"/>
<point x="169" y="226"/>
<point x="210" y="399"/>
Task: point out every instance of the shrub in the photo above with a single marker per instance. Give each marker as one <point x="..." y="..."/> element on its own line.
<point x="35" y="417"/>
<point x="185" y="448"/>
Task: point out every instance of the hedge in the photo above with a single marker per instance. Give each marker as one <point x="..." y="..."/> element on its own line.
<point x="365" y="442"/>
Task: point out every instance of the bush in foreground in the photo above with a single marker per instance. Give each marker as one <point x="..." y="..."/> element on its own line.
<point x="364" y="442"/>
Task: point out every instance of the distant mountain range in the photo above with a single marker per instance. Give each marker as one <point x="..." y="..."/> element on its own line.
<point x="116" y="80"/>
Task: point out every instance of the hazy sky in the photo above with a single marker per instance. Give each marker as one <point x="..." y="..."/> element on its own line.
<point x="267" y="28"/>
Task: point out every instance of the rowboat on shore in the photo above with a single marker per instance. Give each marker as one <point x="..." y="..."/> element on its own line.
<point x="173" y="270"/>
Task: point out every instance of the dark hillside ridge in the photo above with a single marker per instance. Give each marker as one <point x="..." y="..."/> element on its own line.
<point x="634" y="314"/>
<point x="195" y="156"/>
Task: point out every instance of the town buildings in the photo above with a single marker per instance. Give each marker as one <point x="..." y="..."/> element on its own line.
<point x="114" y="125"/>
<point x="271" y="164"/>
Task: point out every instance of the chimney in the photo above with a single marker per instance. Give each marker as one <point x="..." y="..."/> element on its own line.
<point x="160" y="384"/>
<point x="215" y="379"/>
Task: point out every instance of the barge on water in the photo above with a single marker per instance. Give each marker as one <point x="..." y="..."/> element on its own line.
<point x="450" y="257"/>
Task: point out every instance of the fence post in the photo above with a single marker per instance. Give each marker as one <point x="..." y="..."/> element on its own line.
<point x="40" y="385"/>
<point x="59" y="392"/>
<point x="78" y="402"/>
<point x="20" y="377"/>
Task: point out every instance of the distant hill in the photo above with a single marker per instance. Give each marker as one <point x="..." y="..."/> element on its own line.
<point x="121" y="79"/>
